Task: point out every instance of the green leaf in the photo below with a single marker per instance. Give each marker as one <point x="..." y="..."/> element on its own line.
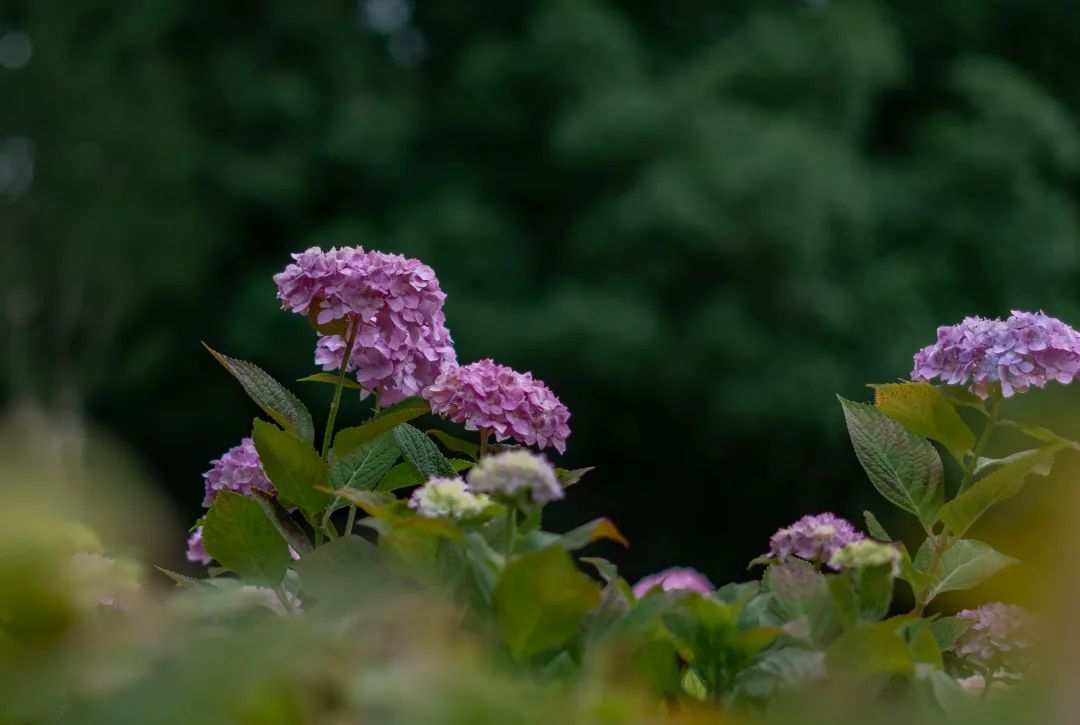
<point x="868" y="650"/>
<point x="238" y="534"/>
<point x="422" y="452"/>
<point x="568" y="478"/>
<point x="339" y="571"/>
<point x="279" y="517"/>
<point x="541" y="599"/>
<point x="183" y="581"/>
<point x="875" y="528"/>
<point x="921" y="408"/>
<point x="607" y="571"/>
<point x="270" y="395"/>
<point x="781" y="669"/>
<point x="1002" y="483"/>
<point x="586" y="534"/>
<point x="1038" y="432"/>
<point x="292" y="465"/>
<point x="349" y="439"/>
<point x="903" y="466"/>
<point x="800" y="593"/>
<point x="985" y="464"/>
<point x="331" y="379"/>
<point x="965" y="564"/>
<point x="366" y="465"/>
<point x="456" y="445"/>
<point x="947" y="630"/>
<point x="405" y="474"/>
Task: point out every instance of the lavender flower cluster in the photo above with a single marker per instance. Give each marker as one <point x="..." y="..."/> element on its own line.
<point x="996" y="629"/>
<point x="674" y="579"/>
<point x="491" y="397"/>
<point x="402" y="343"/>
<point x="814" y="538"/>
<point x="1026" y="350"/>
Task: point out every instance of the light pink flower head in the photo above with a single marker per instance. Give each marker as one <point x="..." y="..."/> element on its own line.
<point x="674" y="579"/>
<point x="996" y="630"/>
<point x="239" y="469"/>
<point x="196" y="552"/>
<point x="487" y="396"/>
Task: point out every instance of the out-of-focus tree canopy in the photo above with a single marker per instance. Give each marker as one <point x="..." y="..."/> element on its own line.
<point x="696" y="221"/>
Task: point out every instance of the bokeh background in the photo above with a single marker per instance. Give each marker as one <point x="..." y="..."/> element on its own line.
<point x="697" y="221"/>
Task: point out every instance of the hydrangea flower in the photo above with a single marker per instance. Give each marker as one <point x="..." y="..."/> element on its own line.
<point x="996" y="629"/>
<point x="196" y="552"/>
<point x="814" y="538"/>
<point x="514" y="473"/>
<point x="402" y="343"/>
<point x="866" y="552"/>
<point x="491" y="397"/>
<point x="448" y="498"/>
<point x="239" y="470"/>
<point x="674" y="579"/>
<point x="1026" y="350"/>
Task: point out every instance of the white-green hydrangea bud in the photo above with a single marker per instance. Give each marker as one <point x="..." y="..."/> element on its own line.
<point x="448" y="498"/>
<point x="517" y="474"/>
<point x="866" y="552"/>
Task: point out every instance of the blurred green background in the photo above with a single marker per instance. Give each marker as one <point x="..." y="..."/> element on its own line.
<point x="697" y="221"/>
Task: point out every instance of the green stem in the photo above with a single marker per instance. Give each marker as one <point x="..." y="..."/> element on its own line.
<point x="351" y="522"/>
<point x="984" y="437"/>
<point x="336" y="403"/>
<point x="511" y="530"/>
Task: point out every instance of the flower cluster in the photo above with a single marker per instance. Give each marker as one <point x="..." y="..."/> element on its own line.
<point x="392" y="303"/>
<point x="238" y="469"/>
<point x="674" y="579"/>
<point x="490" y="397"/>
<point x="1025" y="350"/>
<point x="448" y="498"/>
<point x="865" y="553"/>
<point x="196" y="552"/>
<point x="814" y="538"/>
<point x="996" y="629"/>
<point x="516" y="473"/>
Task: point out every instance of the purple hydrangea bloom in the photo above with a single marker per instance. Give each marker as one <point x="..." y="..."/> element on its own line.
<point x="487" y="396"/>
<point x="240" y="470"/>
<point x="676" y="578"/>
<point x="814" y="538"/>
<point x="996" y="629"/>
<point x="195" y="550"/>
<point x="1027" y="349"/>
<point x="402" y="343"/>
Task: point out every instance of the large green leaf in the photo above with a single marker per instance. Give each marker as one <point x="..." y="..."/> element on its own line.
<point x="1003" y="482"/>
<point x="405" y="474"/>
<point x="237" y="533"/>
<point x="920" y="407"/>
<point x="903" y="466"/>
<point x="270" y="395"/>
<point x="339" y="571"/>
<point x="366" y="465"/>
<point x="455" y="444"/>
<point x="800" y="595"/>
<point x="349" y="439"/>
<point x="867" y="650"/>
<point x="422" y="452"/>
<point x="965" y="564"/>
<point x="541" y="600"/>
<point x="292" y="465"/>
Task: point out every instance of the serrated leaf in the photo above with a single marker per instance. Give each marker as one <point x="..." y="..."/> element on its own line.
<point x="349" y="439"/>
<point x="947" y="630"/>
<point x="405" y="474"/>
<point x="586" y="534"/>
<point x="338" y="571"/>
<point x="875" y="528"/>
<point x="903" y="466"/>
<point x="182" y="580"/>
<point x="800" y="592"/>
<point x="782" y="669"/>
<point x="1002" y="483"/>
<point x="569" y="478"/>
<point x="985" y="464"/>
<point x="456" y="445"/>
<point x="869" y="650"/>
<point x="238" y="534"/>
<point x="541" y="600"/>
<point x="422" y="452"/>
<point x="279" y="517"/>
<point x="270" y="395"/>
<point x="365" y="466"/>
<point x="921" y="408"/>
<point x="292" y="465"/>
<point x="331" y="379"/>
<point x="965" y="564"/>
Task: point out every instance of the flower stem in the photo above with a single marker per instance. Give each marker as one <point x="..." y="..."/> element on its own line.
<point x="336" y="403"/>
<point x="511" y="530"/>
<point x="484" y="435"/>
<point x="991" y="423"/>
<point x="351" y="521"/>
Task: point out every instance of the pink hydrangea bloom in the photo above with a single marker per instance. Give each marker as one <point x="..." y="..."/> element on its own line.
<point x="813" y="538"/>
<point x="240" y="470"/>
<point x="196" y="552"/>
<point x="996" y="629"/>
<point x="1027" y="349"/>
<point x="402" y="343"/>
<point x="676" y="578"/>
<point x="487" y="396"/>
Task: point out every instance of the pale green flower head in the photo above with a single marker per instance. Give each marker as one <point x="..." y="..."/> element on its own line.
<point x="448" y="498"/>
<point x="517" y="474"/>
<point x="864" y="553"/>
